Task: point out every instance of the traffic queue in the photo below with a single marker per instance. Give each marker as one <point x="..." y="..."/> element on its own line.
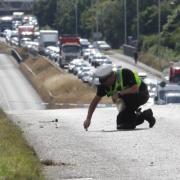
<point x="78" y="55"/>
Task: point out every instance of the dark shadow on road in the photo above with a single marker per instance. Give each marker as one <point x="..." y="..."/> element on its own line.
<point x="114" y="130"/>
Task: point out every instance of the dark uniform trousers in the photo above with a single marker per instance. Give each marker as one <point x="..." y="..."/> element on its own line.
<point x="129" y="118"/>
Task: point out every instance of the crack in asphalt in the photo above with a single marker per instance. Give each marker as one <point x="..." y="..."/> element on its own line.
<point x="50" y="162"/>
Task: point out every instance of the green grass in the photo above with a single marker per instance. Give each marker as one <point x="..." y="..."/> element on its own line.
<point x="17" y="160"/>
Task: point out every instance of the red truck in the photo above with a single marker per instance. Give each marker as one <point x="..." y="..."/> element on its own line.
<point x="174" y="74"/>
<point x="70" y="49"/>
<point x="26" y="30"/>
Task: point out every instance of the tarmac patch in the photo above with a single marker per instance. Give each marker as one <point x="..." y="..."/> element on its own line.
<point x="49" y="162"/>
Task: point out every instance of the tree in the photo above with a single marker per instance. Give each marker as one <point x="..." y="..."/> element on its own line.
<point x="61" y="15"/>
<point x="45" y="11"/>
<point x="171" y="31"/>
<point x="112" y="23"/>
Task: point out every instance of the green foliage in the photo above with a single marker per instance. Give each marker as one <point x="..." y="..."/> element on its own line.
<point x="149" y="20"/>
<point x="149" y="41"/>
<point x="171" y="31"/>
<point x="111" y="22"/>
<point x="45" y="10"/>
<point x="150" y="45"/>
<point x="176" y="36"/>
<point x="107" y="17"/>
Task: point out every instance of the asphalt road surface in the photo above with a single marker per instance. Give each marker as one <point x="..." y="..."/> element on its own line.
<point x="67" y="151"/>
<point x="102" y="152"/>
<point x="16" y="93"/>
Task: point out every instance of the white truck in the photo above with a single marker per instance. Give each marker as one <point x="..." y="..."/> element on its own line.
<point x="47" y="38"/>
<point x="18" y="16"/>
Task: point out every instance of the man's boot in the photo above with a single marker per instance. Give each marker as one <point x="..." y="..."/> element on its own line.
<point x="148" y="116"/>
<point x="125" y="120"/>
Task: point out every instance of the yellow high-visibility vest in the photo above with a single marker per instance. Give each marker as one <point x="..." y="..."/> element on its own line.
<point x="119" y="83"/>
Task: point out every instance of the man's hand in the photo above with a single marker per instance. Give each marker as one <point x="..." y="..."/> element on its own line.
<point x="86" y="124"/>
<point x="91" y="109"/>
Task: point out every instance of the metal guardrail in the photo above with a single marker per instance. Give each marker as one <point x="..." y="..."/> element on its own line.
<point x="16" y="55"/>
<point x="129" y="50"/>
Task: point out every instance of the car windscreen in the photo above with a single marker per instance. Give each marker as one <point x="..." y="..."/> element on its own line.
<point x="46" y="44"/>
<point x="71" y="49"/>
<point x="172" y="99"/>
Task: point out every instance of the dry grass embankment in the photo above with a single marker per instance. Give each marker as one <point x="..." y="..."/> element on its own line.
<point x="158" y="63"/>
<point x="18" y="161"/>
<point x="152" y="61"/>
<point x="4" y="48"/>
<point x="55" y="85"/>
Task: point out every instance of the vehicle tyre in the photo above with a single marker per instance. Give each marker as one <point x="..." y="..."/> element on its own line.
<point x="60" y="64"/>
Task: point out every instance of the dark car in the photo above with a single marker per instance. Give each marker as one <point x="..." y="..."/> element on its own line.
<point x="167" y="93"/>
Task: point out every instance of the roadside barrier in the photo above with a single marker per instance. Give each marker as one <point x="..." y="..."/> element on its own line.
<point x="16" y="55"/>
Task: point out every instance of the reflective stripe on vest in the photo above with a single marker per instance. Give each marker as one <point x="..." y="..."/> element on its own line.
<point x="119" y="83"/>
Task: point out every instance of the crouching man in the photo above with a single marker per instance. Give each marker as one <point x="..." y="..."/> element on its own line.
<point x="128" y="86"/>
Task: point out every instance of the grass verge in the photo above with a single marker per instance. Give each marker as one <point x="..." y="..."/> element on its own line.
<point x="4" y="48"/>
<point x="18" y="161"/>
